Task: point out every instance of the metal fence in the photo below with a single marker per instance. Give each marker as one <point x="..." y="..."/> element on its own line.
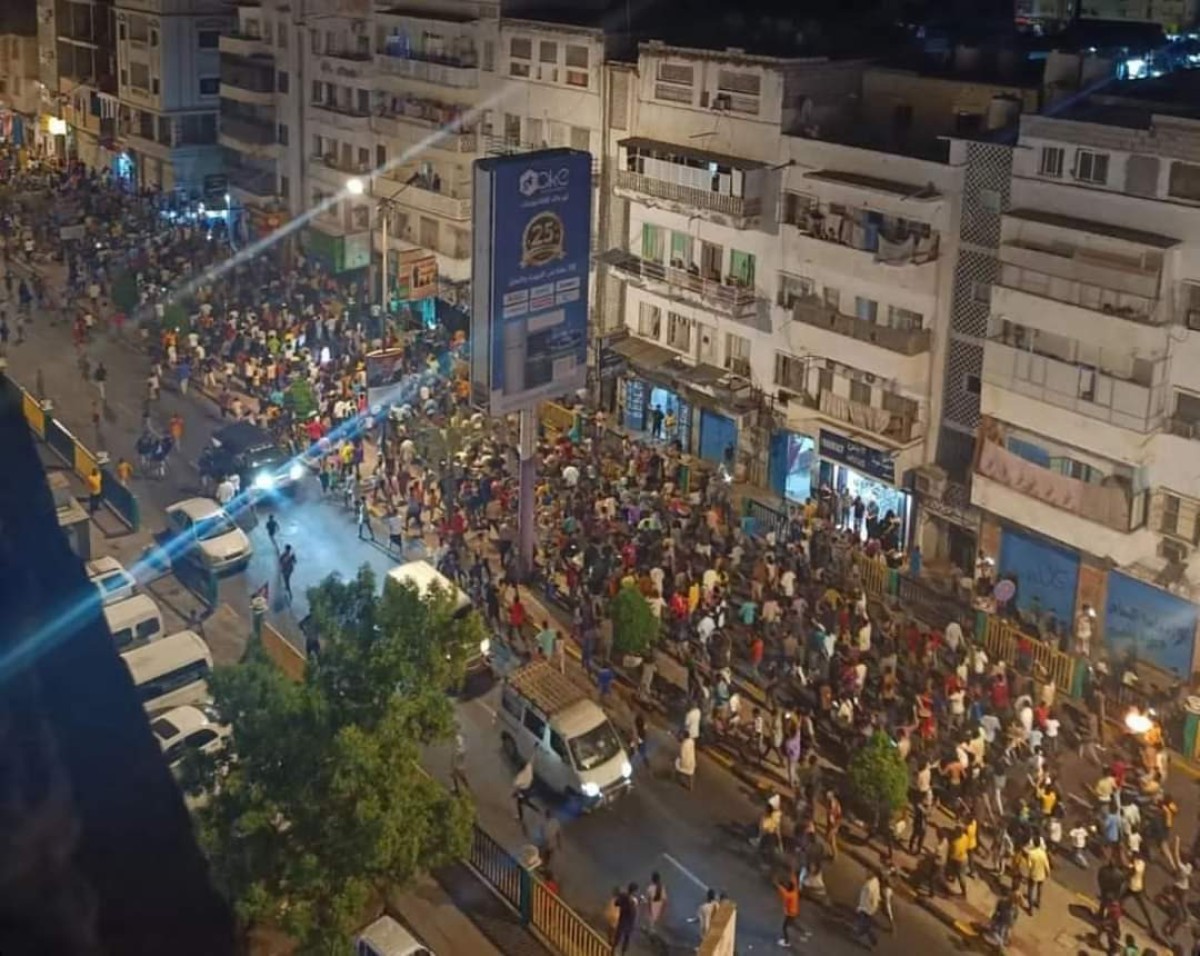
<point x="759" y="518"/>
<point x="1005" y="641"/>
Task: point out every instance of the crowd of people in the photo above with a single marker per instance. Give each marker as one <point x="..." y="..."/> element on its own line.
<point x="773" y="649"/>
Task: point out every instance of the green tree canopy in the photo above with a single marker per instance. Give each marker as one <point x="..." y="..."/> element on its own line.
<point x="878" y="778"/>
<point x="635" y="628"/>
<point x="318" y="804"/>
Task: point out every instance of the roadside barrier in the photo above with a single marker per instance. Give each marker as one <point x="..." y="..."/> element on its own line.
<point x="80" y="459"/>
<point x="1002" y="641"/>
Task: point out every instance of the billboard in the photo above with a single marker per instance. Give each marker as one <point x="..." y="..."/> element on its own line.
<point x="385" y="377"/>
<point x="416" y="275"/>
<point x="532" y="237"/>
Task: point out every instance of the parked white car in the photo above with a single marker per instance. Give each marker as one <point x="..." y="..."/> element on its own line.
<point x="111" y="579"/>
<point x="208" y="533"/>
<point x="188" y="728"/>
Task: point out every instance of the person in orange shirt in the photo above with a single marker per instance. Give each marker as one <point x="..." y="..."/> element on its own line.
<point x="176" y="428"/>
<point x="789" y="898"/>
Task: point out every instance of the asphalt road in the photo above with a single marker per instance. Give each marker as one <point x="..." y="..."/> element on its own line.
<point x="695" y="840"/>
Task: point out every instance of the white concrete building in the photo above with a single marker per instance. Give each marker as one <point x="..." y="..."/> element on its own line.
<point x="1088" y="454"/>
<point x="168" y="84"/>
<point x="19" y="89"/>
<point x="784" y="295"/>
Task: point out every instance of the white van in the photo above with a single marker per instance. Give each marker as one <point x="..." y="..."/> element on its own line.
<point x="387" y="937"/>
<point x="111" y="579"/>
<point x="576" y="751"/>
<point x="171" y="672"/>
<point x="133" y="622"/>
<point x="424" y="576"/>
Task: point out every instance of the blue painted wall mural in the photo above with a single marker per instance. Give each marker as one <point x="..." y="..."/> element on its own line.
<point x="1155" y="624"/>
<point x="1046" y="575"/>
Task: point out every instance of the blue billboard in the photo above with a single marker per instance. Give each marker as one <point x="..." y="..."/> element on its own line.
<point x="531" y="257"/>
<point x="1154" y="624"/>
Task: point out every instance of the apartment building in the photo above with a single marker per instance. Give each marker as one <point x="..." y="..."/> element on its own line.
<point x="19" y="86"/>
<point x="78" y="74"/>
<point x="782" y="294"/>
<point x="168" y="86"/>
<point x="1088" y="444"/>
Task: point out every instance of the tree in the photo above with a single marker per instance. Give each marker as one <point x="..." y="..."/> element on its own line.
<point x="318" y="804"/>
<point x="125" y="292"/>
<point x="635" y="628"/>
<point x="878" y="779"/>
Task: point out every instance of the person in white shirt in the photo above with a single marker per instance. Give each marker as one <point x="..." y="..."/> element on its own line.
<point x="570" y="476"/>
<point x="705" y="628"/>
<point x="691" y="721"/>
<point x="787" y="583"/>
<point x="685" y="763"/>
<point x="225" y="493"/>
<point x="953" y="636"/>
<point x="705" y="913"/>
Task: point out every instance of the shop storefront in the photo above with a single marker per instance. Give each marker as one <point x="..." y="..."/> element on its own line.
<point x="867" y="473"/>
<point x="1046" y="578"/>
<point x="792" y="463"/>
<point x="718" y="437"/>
<point x="644" y="398"/>
<point x="1151" y="624"/>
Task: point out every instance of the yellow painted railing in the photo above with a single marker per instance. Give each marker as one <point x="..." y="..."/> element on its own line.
<point x="873" y="574"/>
<point x="1001" y="640"/>
<point x="562" y="927"/>
<point x="285" y="656"/>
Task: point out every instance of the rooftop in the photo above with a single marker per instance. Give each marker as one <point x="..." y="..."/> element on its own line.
<point x="1132" y="104"/>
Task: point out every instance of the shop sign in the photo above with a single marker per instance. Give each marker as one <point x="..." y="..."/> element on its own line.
<point x="872" y="462"/>
<point x="612" y="363"/>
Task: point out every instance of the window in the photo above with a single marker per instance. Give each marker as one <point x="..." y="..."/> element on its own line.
<point x="154" y="38"/>
<point x="649" y="321"/>
<point x="905" y="319"/>
<point x="380" y="155"/>
<point x="534" y="724"/>
<point x="285" y="185"/>
<point x="792" y="289"/>
<point x="316" y="91"/>
<point x="1051" y="161"/>
<point x="789" y="372"/>
<point x="124" y="78"/>
<point x="674" y="82"/>
<point x="364" y="157"/>
<point x="559" y="746"/>
<point x="1184" y="182"/>
<point x="511" y="703"/>
<point x="520" y="48"/>
<point x="679" y="332"/>
<point x="209" y="85"/>
<point x="363" y="101"/>
<point x="428" y="233"/>
<point x="208" y="39"/>
<point x="981" y="292"/>
<point x="154" y="85"/>
<point x="972" y="384"/>
<point x="681" y="250"/>
<point x="1091" y="167"/>
<point x="577" y="66"/>
<point x="360" y="217"/>
<point x="139" y="76"/>
<point x="512" y="129"/>
<point x="865" y="309"/>
<point x="121" y="30"/>
<point x="741" y="268"/>
<point x="281" y="81"/>
<point x="798" y="209"/>
<point x="706" y="338"/>
<point x="860" y="392"/>
<point x="737" y="354"/>
<point x="547" y="52"/>
<point x="832" y="297"/>
<point x="653" y="242"/>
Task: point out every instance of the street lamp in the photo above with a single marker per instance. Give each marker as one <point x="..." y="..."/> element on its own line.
<point x="384" y="205"/>
<point x="355" y="186"/>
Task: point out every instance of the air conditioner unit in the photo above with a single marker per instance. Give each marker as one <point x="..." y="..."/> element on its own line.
<point x="722" y="101"/>
<point x="929" y="481"/>
<point x="1176" y="552"/>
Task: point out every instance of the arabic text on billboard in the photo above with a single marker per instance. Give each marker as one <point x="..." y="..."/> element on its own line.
<point x="540" y="259"/>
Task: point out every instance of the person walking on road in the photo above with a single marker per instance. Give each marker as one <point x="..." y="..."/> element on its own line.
<point x="364" y="521"/>
<point x="124" y="472"/>
<point x="1037" y="862"/>
<point x="287" y="565"/>
<point x="101" y="377"/>
<point x="875" y="894"/>
<point x="789" y="899"/>
<point x="522" y="784"/>
<point x="458" y="766"/>
<point x="95" y="485"/>
<point x="656" y="902"/>
<point x="626" y="919"/>
<point x="273" y="530"/>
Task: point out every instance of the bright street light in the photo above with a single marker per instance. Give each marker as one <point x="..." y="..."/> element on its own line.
<point x="355" y="186"/>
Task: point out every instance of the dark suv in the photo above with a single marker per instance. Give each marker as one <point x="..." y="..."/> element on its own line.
<point x="252" y="454"/>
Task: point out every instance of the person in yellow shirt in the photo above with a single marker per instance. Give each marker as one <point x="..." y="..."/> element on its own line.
<point x="956" y="859"/>
<point x="971" y="832"/>
<point x="693" y="597"/>
<point x="95" y="484"/>
<point x="1038" y="868"/>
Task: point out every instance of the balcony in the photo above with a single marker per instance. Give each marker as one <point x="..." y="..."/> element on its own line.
<point x="251" y="137"/>
<point x="243" y="44"/>
<point x="453" y="72"/>
<point x="634" y="185"/>
<point x="347" y="119"/>
<point x="1020" y="384"/>
<point x="435" y="129"/>
<point x="738" y="302"/>
<point x="422" y="197"/>
<point x="813" y="311"/>
<point x="1104" y="518"/>
<point x="888" y="427"/>
<point x="248" y="84"/>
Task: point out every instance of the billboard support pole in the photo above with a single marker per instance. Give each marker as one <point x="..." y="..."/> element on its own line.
<point x="526" y="520"/>
<point x="384" y="212"/>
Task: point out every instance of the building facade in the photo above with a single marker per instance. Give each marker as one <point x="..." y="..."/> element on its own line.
<point x="1087" y="453"/>
<point x="20" y="95"/>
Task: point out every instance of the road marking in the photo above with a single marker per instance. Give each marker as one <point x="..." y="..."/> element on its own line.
<point x="685" y="871"/>
<point x="491" y="713"/>
<point x="965" y="928"/>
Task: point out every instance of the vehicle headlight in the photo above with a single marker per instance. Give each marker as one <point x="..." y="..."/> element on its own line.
<point x="296" y="472"/>
<point x="485" y="645"/>
<point x="264" y="481"/>
<point x="591" y="790"/>
<point x="626" y="769"/>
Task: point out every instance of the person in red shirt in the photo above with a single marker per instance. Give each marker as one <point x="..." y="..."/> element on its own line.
<point x="1000" y="693"/>
<point x="516" y="618"/>
<point x="756" y="652"/>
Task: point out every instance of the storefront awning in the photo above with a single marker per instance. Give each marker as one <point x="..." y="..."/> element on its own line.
<point x="645" y="355"/>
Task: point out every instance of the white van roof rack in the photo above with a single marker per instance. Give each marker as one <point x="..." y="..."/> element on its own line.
<point x="548" y="690"/>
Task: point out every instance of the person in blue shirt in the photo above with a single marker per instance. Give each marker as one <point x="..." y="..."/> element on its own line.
<point x="748" y="612"/>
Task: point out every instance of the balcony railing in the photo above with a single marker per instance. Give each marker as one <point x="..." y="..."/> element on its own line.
<point x="392" y="122"/>
<point x="442" y="72"/>
<point x="422" y="197"/>
<point x="1183" y="427"/>
<point x="255" y="183"/>
<point x="735" y="206"/>
<point x="845" y="232"/>
<point x="247" y="131"/>
<point x="737" y="301"/>
<point x="351" y="56"/>
<point x="899" y="429"/>
<point x="1109" y="503"/>
<point x="350" y="167"/>
<point x="813" y="311"/>
<point x="249" y="79"/>
<point x="1135" y="405"/>
<point x="341" y="117"/>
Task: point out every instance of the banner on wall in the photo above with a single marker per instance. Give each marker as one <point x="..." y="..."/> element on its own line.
<point x="1157" y="626"/>
<point x="1046" y="577"/>
<point x="385" y="376"/>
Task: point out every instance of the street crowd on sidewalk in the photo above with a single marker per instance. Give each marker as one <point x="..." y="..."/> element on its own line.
<point x="770" y="648"/>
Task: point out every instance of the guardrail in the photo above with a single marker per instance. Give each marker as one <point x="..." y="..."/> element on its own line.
<point x="1005" y="641"/>
<point x="60" y="440"/>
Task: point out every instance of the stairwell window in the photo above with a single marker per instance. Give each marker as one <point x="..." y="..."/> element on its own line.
<point x="1051" y="162"/>
<point x="679" y="332"/>
<point x="1091" y="167"/>
<point x="649" y="321"/>
<point x="520" y="52"/>
<point x="737" y="354"/>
